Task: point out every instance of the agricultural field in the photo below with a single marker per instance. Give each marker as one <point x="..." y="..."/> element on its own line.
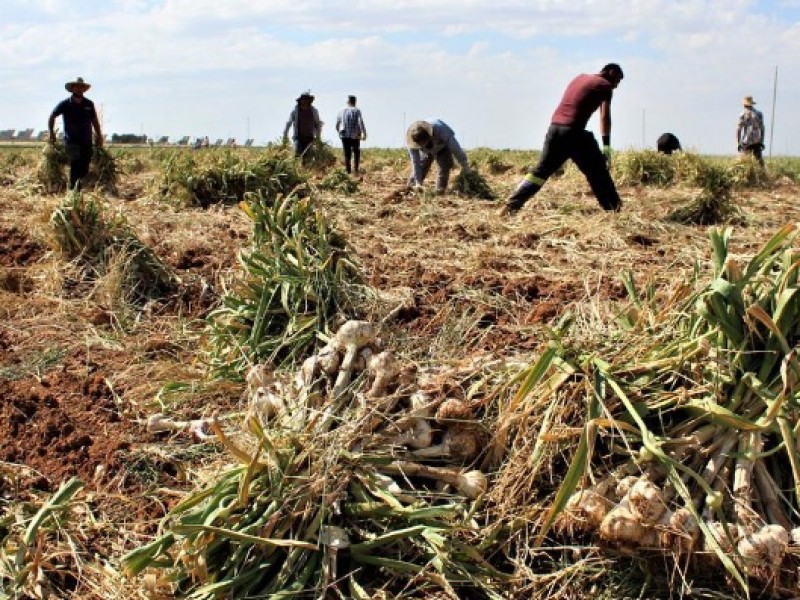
<point x="227" y="374"/>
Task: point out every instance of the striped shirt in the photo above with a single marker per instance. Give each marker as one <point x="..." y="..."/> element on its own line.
<point x="350" y="124"/>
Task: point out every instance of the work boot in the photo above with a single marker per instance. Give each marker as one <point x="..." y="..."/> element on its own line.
<point x="526" y="190"/>
<point x="508" y="210"/>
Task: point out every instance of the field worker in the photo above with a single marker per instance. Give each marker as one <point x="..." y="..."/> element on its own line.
<point x="305" y="124"/>
<point x="351" y="130"/>
<point x="567" y="137"/>
<point x="668" y="143"/>
<point x="79" y="118"/>
<point x="750" y="131"/>
<point x="431" y="140"/>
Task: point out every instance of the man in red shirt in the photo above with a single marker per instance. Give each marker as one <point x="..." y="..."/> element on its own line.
<point x="567" y="138"/>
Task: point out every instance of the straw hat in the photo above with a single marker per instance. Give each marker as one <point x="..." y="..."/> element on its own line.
<point x="78" y="83"/>
<point x="306" y="94"/>
<point x="748" y="101"/>
<point x="418" y="134"/>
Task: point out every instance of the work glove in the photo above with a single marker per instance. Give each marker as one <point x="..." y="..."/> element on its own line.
<point x="364" y="136"/>
<point x="607" y="155"/>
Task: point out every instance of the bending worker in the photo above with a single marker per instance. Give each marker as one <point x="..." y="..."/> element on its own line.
<point x="433" y="140"/>
<point x="567" y="137"/>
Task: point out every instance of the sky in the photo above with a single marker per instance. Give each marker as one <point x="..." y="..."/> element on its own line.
<point x="493" y="70"/>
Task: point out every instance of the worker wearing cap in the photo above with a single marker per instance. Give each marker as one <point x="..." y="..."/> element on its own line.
<point x="431" y="140"/>
<point x="80" y="118"/>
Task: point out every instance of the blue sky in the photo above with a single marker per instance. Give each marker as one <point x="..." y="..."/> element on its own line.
<point x="493" y="70"/>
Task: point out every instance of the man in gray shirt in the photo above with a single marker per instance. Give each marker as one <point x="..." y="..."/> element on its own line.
<point x="431" y="140"/>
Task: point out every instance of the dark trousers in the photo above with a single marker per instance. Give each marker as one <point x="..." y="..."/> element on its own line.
<point x="562" y="143"/>
<point x="352" y="153"/>
<point x="301" y="145"/>
<point x="80" y="156"/>
<point x="757" y="150"/>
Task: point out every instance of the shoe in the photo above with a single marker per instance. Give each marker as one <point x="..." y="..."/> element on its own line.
<point x="507" y="210"/>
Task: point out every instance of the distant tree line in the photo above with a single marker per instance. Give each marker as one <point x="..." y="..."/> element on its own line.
<point x="128" y="138"/>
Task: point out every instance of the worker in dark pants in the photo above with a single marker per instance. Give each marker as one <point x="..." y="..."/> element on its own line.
<point x="567" y="138"/>
<point x="80" y="117"/>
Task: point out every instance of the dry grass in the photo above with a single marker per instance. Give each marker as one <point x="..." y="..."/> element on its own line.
<point x="466" y="283"/>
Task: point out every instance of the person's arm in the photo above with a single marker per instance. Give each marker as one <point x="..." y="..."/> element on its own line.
<point x="339" y="122"/>
<point x="317" y="124"/>
<point x="362" y="126"/>
<point x="289" y="124"/>
<point x="739" y="127"/>
<point x="416" y="165"/>
<point x="605" y="128"/>
<point x="51" y="122"/>
<point x="97" y="132"/>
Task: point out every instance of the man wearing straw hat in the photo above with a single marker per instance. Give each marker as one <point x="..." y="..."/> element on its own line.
<point x="750" y="131"/>
<point x="431" y="140"/>
<point x="567" y="138"/>
<point x="304" y="122"/>
<point x="80" y="117"/>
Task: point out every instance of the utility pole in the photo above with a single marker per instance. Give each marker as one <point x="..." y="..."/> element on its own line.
<point x="772" y="119"/>
<point x="644" y="137"/>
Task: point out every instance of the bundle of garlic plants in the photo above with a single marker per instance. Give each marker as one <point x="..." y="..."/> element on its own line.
<point x="690" y="445"/>
<point x="297" y="277"/>
<point x="329" y="498"/>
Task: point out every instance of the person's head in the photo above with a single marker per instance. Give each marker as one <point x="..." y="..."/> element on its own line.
<point x="77" y="87"/>
<point x="305" y="99"/>
<point x="351" y="100"/>
<point x="613" y="73"/>
<point x="420" y="136"/>
<point x="748" y="102"/>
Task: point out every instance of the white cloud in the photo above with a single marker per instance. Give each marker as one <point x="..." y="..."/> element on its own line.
<point x="493" y="70"/>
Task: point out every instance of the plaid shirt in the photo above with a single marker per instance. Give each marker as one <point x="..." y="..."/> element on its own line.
<point x="349" y="123"/>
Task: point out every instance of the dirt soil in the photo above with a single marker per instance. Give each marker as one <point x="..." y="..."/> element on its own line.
<point x="76" y="384"/>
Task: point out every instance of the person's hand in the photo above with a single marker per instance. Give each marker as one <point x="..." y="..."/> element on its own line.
<point x="739" y="148"/>
<point x="99" y="141"/>
<point x="364" y="136"/>
<point x="285" y="140"/>
<point x="607" y="155"/>
<point x="52" y="139"/>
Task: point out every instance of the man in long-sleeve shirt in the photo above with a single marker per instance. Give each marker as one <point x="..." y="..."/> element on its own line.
<point x="431" y="140"/>
<point x="305" y="122"/>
